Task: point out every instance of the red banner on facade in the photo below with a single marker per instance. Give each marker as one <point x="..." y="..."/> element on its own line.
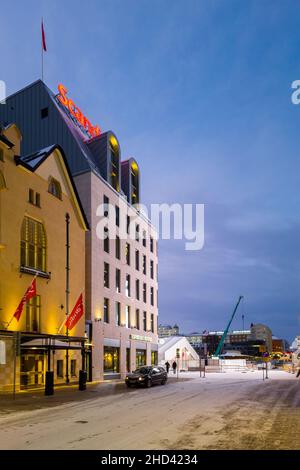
<point x="76" y="314"/>
<point x="31" y="292"/>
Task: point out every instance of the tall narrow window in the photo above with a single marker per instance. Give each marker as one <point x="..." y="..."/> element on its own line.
<point x="118" y="247"/>
<point x="152" y="322"/>
<point x="152" y="269"/>
<point x="127" y="252"/>
<point x="145" y="321"/>
<point x="33" y="245"/>
<point x="151" y="245"/>
<point x="33" y="310"/>
<point x="127" y="317"/>
<point x="106" y="310"/>
<point x="152" y="295"/>
<point x="137" y="232"/>
<point x="144" y="293"/>
<point x="54" y="188"/>
<point x="106" y="275"/>
<point x="127" y="286"/>
<point x="137" y="260"/>
<point x="118" y="280"/>
<point x="118" y="313"/>
<point x="137" y="318"/>
<point x="117" y="216"/>
<point x="144" y="238"/>
<point x="105" y="206"/>
<point x="137" y="289"/>
<point x="144" y="264"/>
<point x="106" y="240"/>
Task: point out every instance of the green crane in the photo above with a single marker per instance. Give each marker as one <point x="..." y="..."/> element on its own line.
<point x="221" y="343"/>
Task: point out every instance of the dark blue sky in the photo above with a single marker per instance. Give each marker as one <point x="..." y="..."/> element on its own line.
<point x="199" y="92"/>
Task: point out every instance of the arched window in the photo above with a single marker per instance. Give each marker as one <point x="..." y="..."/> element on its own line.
<point x="2" y="181"/>
<point x="55" y="188"/>
<point x="33" y="245"/>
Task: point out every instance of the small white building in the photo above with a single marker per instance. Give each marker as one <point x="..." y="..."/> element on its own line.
<point x="168" y="348"/>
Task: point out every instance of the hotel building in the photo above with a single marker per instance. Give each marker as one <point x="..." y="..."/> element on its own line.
<point x="37" y="198"/>
<point x="121" y="270"/>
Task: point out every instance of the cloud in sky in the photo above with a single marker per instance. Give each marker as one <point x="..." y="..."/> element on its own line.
<point x="199" y="93"/>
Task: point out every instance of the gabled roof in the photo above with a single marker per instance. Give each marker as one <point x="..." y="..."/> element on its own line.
<point x="33" y="161"/>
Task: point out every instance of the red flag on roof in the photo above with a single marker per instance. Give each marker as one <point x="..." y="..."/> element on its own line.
<point x="31" y="292"/>
<point x="43" y="38"/>
<point x="76" y="314"/>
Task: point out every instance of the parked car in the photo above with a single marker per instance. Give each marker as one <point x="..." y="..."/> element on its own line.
<point x="147" y="376"/>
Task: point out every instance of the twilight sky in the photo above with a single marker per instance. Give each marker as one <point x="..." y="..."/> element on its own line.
<point x="199" y="91"/>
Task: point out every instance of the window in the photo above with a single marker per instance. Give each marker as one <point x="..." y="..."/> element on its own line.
<point x="144" y="264"/>
<point x="54" y="188"/>
<point x="152" y="322"/>
<point x="144" y="293"/>
<point x="137" y="232"/>
<point x="73" y="367"/>
<point x="114" y="169"/>
<point x="137" y="289"/>
<point x="37" y="199"/>
<point x="144" y="238"/>
<point x="60" y="368"/>
<point x="145" y="321"/>
<point x="127" y="317"/>
<point x="127" y="253"/>
<point x="127" y="285"/>
<point x="118" y="280"/>
<point x="33" y="245"/>
<point x="152" y="269"/>
<point x="152" y="296"/>
<point x="105" y="206"/>
<point x="137" y="260"/>
<point x="44" y="113"/>
<point x="2" y="181"/>
<point x="118" y="247"/>
<point x="151" y="244"/>
<point x="106" y="240"/>
<point x="137" y="318"/>
<point x="31" y="196"/>
<point x="128" y="368"/>
<point x="117" y="216"/>
<point x="111" y="360"/>
<point x="33" y="310"/>
<point x="118" y="313"/>
<point x="140" y="358"/>
<point x="106" y="311"/>
<point x="106" y="275"/>
<point x="128" y="223"/>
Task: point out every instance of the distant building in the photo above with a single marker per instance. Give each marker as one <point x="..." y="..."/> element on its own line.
<point x="279" y="345"/>
<point x="168" y="348"/>
<point x="168" y="330"/>
<point x="262" y="332"/>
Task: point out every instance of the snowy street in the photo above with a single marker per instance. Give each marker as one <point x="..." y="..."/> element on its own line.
<point x="232" y="410"/>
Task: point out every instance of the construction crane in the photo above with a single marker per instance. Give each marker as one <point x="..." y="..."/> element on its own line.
<point x="221" y="343"/>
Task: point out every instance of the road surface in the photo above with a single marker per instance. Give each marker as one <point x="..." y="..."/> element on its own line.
<point x="231" y="410"/>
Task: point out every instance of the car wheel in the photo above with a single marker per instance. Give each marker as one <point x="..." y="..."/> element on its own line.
<point x="149" y="383"/>
<point x="163" y="382"/>
<point x="128" y="385"/>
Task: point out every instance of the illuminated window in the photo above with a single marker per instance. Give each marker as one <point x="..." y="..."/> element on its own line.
<point x="33" y="310"/>
<point x="54" y="188"/>
<point x="118" y="313"/>
<point x="33" y="245"/>
<point x="2" y="181"/>
<point x="127" y="317"/>
<point x="114" y="168"/>
<point x="106" y="275"/>
<point x="106" y="310"/>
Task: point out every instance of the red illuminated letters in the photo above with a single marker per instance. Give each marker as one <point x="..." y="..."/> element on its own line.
<point x="76" y="113"/>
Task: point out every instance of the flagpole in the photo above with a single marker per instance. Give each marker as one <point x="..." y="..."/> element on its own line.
<point x="15" y="312"/>
<point x="42" y="51"/>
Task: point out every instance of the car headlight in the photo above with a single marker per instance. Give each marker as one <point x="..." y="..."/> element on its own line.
<point x="126" y="378"/>
<point x="141" y="378"/>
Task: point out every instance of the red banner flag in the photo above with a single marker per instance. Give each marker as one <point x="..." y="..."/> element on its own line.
<point x="43" y="37"/>
<point x="76" y="314"/>
<point x="31" y="292"/>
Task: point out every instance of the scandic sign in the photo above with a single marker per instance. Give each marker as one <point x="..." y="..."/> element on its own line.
<point x="75" y="112"/>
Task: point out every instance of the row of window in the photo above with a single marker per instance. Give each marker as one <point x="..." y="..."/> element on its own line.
<point x="106" y="281"/>
<point x="54" y="188"/>
<point x="137" y="226"/>
<point x="128" y="254"/>
<point x="130" y="320"/>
